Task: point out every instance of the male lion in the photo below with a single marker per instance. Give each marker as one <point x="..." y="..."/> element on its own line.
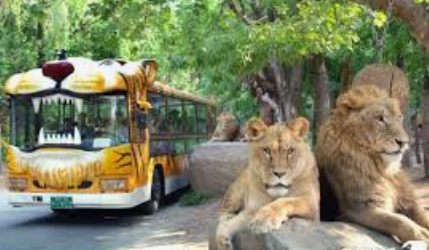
<point x="227" y="128"/>
<point x="280" y="182"/>
<point x="359" y="151"/>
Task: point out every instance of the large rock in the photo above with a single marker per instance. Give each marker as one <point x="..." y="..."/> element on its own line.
<point x="215" y="165"/>
<point x="299" y="234"/>
<point x="388" y="77"/>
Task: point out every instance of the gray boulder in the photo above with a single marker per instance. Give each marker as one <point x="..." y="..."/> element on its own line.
<point x="215" y="165"/>
<point x="299" y="234"/>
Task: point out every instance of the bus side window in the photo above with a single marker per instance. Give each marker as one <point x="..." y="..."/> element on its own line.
<point x="158" y="123"/>
<point x="202" y="119"/>
<point x="175" y="114"/>
<point x="211" y="119"/>
<point x="189" y="118"/>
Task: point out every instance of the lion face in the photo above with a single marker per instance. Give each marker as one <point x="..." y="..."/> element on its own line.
<point x="227" y="121"/>
<point x="278" y="153"/>
<point x="374" y="121"/>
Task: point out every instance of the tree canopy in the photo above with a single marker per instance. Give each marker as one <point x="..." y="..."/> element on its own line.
<point x="212" y="47"/>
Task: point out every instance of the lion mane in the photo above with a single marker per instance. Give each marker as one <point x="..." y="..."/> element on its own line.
<point x="359" y="151"/>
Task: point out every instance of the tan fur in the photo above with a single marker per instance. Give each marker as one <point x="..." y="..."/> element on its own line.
<point x="227" y="128"/>
<point x="358" y="152"/>
<point x="278" y="154"/>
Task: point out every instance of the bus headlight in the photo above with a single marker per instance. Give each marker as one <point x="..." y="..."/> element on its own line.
<point x="17" y="183"/>
<point x="113" y="184"/>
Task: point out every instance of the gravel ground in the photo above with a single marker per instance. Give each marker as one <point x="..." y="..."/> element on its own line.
<point x="186" y="228"/>
<point x="179" y="228"/>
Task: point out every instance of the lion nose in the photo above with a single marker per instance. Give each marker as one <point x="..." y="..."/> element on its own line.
<point x="401" y="143"/>
<point x="279" y="174"/>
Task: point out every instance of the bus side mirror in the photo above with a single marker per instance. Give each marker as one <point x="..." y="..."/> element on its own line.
<point x="149" y="67"/>
<point x="143" y="105"/>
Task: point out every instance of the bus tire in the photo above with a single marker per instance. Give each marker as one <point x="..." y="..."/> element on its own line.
<point x="157" y="193"/>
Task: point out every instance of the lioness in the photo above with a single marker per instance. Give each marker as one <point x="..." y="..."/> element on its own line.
<point x="280" y="182"/>
<point x="359" y="150"/>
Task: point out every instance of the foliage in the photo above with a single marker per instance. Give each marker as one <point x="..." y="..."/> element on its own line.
<point x="193" y="198"/>
<point x="206" y="46"/>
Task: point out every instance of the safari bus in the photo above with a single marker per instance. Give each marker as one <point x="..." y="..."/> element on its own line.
<point x="100" y="134"/>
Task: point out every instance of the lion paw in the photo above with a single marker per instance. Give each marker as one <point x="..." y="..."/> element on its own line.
<point x="265" y="221"/>
<point x="224" y="243"/>
<point x="424" y="235"/>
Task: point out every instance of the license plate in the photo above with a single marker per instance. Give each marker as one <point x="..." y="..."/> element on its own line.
<point x="61" y="202"/>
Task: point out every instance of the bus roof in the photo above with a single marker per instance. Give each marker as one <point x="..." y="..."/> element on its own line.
<point x="168" y="90"/>
<point x="85" y="76"/>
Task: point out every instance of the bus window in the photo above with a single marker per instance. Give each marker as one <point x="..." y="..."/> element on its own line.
<point x="179" y="146"/>
<point x="158" y="124"/>
<point x="191" y="142"/>
<point x="175" y="114"/>
<point x="91" y="122"/>
<point x="23" y="124"/>
<point x="189" y="118"/>
<point x="211" y="119"/>
<point x="202" y="119"/>
<point x="159" y="146"/>
<point x="104" y="121"/>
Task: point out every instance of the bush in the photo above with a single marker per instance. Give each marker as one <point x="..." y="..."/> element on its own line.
<point x="192" y="198"/>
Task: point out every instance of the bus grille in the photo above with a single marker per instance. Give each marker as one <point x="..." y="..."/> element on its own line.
<point x="82" y="185"/>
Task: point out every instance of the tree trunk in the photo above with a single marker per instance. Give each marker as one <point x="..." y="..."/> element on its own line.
<point x="425" y="132"/>
<point x="41" y="45"/>
<point x="320" y="80"/>
<point x="406" y="161"/>
<point x="412" y="14"/>
<point x="417" y="149"/>
<point x="281" y="89"/>
<point x="287" y="80"/>
<point x="346" y="74"/>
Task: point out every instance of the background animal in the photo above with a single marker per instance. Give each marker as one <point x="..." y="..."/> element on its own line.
<point x="227" y="128"/>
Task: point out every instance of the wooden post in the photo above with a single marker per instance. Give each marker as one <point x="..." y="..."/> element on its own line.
<point x="417" y="138"/>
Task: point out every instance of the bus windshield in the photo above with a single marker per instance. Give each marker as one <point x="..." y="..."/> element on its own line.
<point x="92" y="122"/>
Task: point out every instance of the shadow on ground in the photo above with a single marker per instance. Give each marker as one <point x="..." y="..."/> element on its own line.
<point x="172" y="228"/>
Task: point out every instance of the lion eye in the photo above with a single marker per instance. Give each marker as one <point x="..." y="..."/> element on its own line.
<point x="290" y="151"/>
<point x="267" y="152"/>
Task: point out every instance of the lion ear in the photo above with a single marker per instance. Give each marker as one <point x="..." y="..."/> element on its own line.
<point x="348" y="102"/>
<point x="255" y="128"/>
<point x="359" y="96"/>
<point x="300" y="126"/>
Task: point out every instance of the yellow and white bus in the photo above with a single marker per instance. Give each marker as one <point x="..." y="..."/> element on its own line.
<point x="100" y="134"/>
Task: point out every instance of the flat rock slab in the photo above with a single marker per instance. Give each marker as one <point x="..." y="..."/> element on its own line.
<point x="298" y="234"/>
<point x="215" y="165"/>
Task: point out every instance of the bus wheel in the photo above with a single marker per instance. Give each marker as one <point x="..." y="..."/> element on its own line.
<point x="157" y="193"/>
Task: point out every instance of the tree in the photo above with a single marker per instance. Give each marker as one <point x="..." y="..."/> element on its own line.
<point x="252" y="55"/>
<point x="414" y="15"/>
<point x="321" y="94"/>
<point x="425" y="132"/>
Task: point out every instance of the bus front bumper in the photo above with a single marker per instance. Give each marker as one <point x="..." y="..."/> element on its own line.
<point x="83" y="200"/>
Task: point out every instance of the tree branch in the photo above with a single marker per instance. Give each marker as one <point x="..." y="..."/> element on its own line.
<point x="415" y="16"/>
